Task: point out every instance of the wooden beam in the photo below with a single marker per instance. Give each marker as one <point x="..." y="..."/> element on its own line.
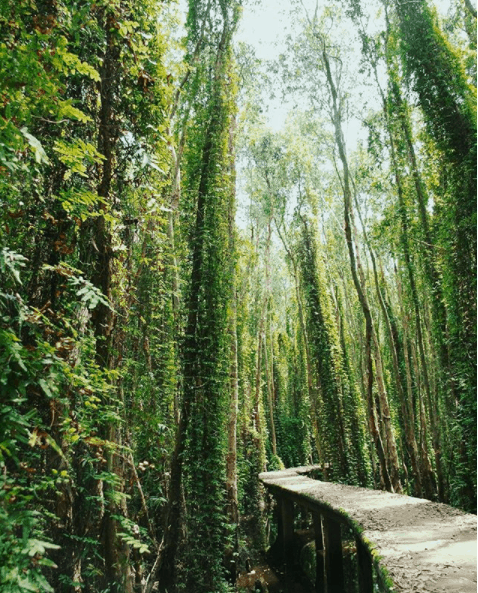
<point x="286" y="529"/>
<point x="334" y="571"/>
<point x="365" y="569"/>
<point x="319" y="553"/>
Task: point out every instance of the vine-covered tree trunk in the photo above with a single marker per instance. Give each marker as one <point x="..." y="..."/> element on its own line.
<point x="448" y="104"/>
<point x="270" y="396"/>
<point x="231" y="462"/>
<point x="394" y="108"/>
<point x="326" y="356"/>
<point x="352" y="408"/>
<point x="415" y="399"/>
<point x="396" y="348"/>
<point x="116" y="550"/>
<point x="256" y="411"/>
<point x="369" y="329"/>
<point x="311" y="388"/>
<point x="231" y="459"/>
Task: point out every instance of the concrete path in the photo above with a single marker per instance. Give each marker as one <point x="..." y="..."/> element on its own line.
<point x="425" y="547"/>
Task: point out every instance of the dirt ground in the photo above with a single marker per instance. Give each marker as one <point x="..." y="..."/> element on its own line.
<point x="271" y="581"/>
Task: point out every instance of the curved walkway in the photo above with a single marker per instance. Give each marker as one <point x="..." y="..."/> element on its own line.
<point x="423" y="546"/>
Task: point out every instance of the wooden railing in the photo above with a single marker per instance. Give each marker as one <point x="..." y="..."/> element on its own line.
<point x="402" y="543"/>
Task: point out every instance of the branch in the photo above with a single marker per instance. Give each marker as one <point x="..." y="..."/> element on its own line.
<point x="143" y="500"/>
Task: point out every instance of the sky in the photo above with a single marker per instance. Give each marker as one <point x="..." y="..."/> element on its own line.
<point x="264" y="26"/>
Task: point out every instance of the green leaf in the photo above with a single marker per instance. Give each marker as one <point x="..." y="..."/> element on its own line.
<point x="46" y="388"/>
<point x="35" y="546"/>
<point x="67" y="110"/>
<point x="40" y="154"/>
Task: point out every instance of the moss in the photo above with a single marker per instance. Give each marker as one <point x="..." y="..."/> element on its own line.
<point x="385" y="579"/>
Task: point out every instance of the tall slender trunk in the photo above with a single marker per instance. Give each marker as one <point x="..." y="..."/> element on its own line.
<point x="352" y="400"/>
<point x="270" y="396"/>
<point x="231" y="458"/>
<point x="369" y="329"/>
<point x="428" y="478"/>
<point x="116" y="552"/>
<point x="418" y="323"/>
<point x="396" y="348"/>
<point x="164" y="565"/>
<point x="396" y="108"/>
<point x="428" y="249"/>
<point x="256" y="414"/>
<point x="383" y="408"/>
<point x="311" y="389"/>
<point x="439" y="312"/>
<point x="404" y="235"/>
<point x="448" y="104"/>
<point x="326" y="354"/>
<point x="268" y="368"/>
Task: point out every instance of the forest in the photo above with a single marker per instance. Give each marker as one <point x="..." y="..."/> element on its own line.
<point x="156" y="355"/>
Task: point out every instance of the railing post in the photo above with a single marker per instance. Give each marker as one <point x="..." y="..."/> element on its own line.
<point x="365" y="570"/>
<point x="286" y="528"/>
<point x="334" y="570"/>
<point x="319" y="553"/>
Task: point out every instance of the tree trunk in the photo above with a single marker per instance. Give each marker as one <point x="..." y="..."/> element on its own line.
<point x="231" y="458"/>
<point x="231" y="464"/>
<point x="312" y="390"/>
<point x="116" y="552"/>
<point x="164" y="565"/>
<point x="428" y="479"/>
<point x="256" y="414"/>
<point x="270" y="396"/>
<point x="369" y="331"/>
<point x="396" y="348"/>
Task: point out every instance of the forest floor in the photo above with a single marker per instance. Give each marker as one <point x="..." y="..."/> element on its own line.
<point x="271" y="581"/>
<point x="264" y="575"/>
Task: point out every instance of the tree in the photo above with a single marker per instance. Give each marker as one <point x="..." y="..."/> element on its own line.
<point x="448" y="104"/>
<point x="209" y="184"/>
